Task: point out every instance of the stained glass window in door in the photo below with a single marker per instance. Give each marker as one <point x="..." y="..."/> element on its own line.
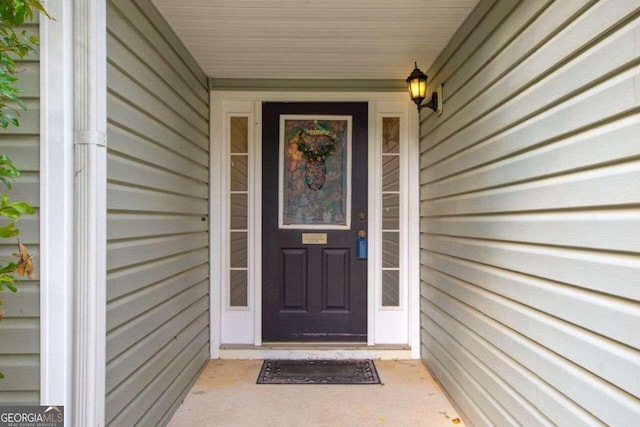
<point x="315" y="172"/>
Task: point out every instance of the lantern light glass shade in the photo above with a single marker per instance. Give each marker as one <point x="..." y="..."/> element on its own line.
<point x="417" y="85"/>
<point x="418" y="88"/>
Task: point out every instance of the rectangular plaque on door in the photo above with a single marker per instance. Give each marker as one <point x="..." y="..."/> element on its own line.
<point x="314" y="238"/>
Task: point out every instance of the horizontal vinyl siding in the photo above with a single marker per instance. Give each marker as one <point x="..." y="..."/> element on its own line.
<point x="530" y="215"/>
<point x="157" y="219"/>
<point x="20" y="327"/>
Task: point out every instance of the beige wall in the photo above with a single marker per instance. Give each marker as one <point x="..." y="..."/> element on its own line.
<point x="530" y="188"/>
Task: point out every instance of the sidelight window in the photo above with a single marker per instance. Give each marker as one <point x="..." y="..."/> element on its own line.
<point x="391" y="212"/>
<point x="238" y="211"/>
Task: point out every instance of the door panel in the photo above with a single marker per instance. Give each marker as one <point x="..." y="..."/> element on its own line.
<point x="335" y="279"/>
<point x="313" y="292"/>
<point x="294" y="279"/>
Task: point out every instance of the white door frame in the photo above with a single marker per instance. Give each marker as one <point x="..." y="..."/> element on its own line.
<point x="247" y="321"/>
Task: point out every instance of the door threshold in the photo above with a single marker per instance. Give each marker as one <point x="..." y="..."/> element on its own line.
<point x="299" y="350"/>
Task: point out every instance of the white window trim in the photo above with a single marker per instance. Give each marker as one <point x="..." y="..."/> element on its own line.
<point x="226" y="169"/>
<point x="377" y="102"/>
<point x="393" y="323"/>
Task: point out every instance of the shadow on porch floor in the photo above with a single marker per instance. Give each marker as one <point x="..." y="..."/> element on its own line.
<point x="226" y="394"/>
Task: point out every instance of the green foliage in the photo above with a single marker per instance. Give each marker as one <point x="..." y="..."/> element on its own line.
<point x="15" y="12"/>
<point x="12" y="212"/>
<point x="8" y="171"/>
<point x="14" y="46"/>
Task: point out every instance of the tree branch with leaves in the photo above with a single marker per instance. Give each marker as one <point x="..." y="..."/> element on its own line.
<point x="14" y="46"/>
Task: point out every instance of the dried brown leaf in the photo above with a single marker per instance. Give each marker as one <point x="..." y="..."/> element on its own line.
<point x="25" y="261"/>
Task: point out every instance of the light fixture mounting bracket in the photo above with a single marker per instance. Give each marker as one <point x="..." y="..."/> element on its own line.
<point x="435" y="103"/>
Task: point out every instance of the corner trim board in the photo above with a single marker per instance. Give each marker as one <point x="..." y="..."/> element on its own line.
<point x="56" y="205"/>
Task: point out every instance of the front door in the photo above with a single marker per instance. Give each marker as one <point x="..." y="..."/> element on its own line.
<point x="314" y="192"/>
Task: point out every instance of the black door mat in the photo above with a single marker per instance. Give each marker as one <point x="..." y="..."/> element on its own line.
<point x="318" y="372"/>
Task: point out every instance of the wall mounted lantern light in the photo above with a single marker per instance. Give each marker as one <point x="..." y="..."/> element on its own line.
<point x="417" y="85"/>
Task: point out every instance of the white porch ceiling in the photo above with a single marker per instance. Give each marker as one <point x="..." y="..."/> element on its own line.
<point x="323" y="39"/>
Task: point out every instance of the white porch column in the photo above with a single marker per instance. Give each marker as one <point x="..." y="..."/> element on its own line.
<point x="90" y="122"/>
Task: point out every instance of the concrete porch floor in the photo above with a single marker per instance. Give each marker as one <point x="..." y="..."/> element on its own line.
<point x="226" y="394"/>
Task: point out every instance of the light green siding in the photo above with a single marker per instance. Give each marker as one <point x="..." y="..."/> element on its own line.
<point x="157" y="225"/>
<point x="20" y="328"/>
<point x="530" y="188"/>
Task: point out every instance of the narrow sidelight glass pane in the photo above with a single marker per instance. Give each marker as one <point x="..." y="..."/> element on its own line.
<point x="391" y="249"/>
<point x="238" y="250"/>
<point x="390" y="173"/>
<point x="239" y="173"/>
<point x="390" y="134"/>
<point x="238" y="211"/>
<point x="390" y="288"/>
<point x="239" y="134"/>
<point x="390" y="212"/>
<point x="238" y="288"/>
